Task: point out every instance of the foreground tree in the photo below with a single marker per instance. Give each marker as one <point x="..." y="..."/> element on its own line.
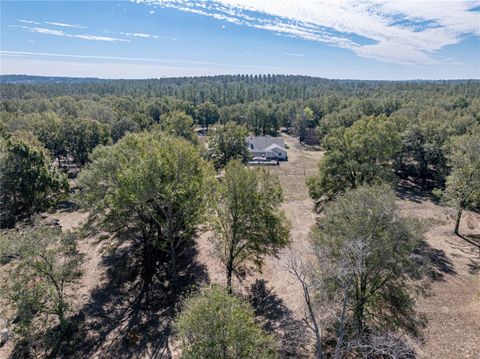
<point x="463" y="184"/>
<point x="297" y="269"/>
<point x="214" y="324"/>
<point x="248" y="223"/>
<point x="154" y="188"/>
<point x="29" y="181"/>
<point x="361" y="154"/>
<point x="365" y="253"/>
<point x="43" y="262"/>
<point x="228" y="142"/>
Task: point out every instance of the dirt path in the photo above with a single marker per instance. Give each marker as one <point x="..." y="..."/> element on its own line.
<point x="453" y="309"/>
<point x="89" y="248"/>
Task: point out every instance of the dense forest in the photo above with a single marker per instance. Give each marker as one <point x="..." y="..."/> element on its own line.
<point x="156" y="162"/>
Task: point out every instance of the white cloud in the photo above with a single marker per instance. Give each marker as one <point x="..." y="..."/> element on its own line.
<point x="405" y="31"/>
<point x="293" y="54"/>
<point x="29" y="22"/>
<point x="151" y="12"/>
<point x="98" y="38"/>
<point x="185" y="63"/>
<point x="42" y="30"/>
<point x="62" y="24"/>
<point x="45" y="31"/>
<point x="146" y="36"/>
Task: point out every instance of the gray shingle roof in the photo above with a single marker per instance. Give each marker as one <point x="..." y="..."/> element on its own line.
<point x="263" y="142"/>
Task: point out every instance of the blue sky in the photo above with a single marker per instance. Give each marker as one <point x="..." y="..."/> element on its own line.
<point x="368" y="39"/>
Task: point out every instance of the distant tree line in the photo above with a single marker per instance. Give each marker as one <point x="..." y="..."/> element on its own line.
<point x="156" y="161"/>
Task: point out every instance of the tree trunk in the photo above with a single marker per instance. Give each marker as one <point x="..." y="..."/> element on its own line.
<point x="359" y="309"/>
<point x="457" y="222"/>
<point x="147" y="264"/>
<point x="341" y="329"/>
<point x="316" y="328"/>
<point x="229" y="273"/>
<point x="173" y="267"/>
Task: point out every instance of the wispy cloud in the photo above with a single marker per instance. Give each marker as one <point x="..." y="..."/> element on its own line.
<point x="409" y="32"/>
<point x="54" y="32"/>
<point x="151" y="12"/>
<point x="293" y="54"/>
<point x="29" y="54"/>
<point x="146" y="36"/>
<point x="29" y="22"/>
<point x="62" y="24"/>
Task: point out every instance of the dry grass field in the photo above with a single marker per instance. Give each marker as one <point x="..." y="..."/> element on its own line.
<point x="452" y="308"/>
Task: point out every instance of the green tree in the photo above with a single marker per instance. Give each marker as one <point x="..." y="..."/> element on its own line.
<point x="361" y="154"/>
<point x="309" y="117"/>
<point x="300" y="125"/>
<point x="29" y="181"/>
<point x="463" y="184"/>
<point x="263" y="120"/>
<point x="227" y="142"/>
<point x="423" y="142"/>
<point x="82" y="136"/>
<point x="343" y="118"/>
<point x="69" y="139"/>
<point x="248" y="223"/>
<point x="123" y="126"/>
<point x="371" y="247"/>
<point x="179" y="124"/>
<point x="153" y="187"/>
<point x="50" y="130"/>
<point x="43" y="262"/>
<point x="214" y="324"/>
<point x="207" y="114"/>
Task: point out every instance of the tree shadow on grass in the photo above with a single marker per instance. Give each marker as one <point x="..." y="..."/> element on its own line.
<point x="122" y="319"/>
<point x="473" y="239"/>
<point x="432" y="262"/>
<point x="474" y="267"/>
<point x="279" y="319"/>
<point x="407" y="189"/>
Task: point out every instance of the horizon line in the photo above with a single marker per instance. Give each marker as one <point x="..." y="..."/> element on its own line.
<point x="240" y="74"/>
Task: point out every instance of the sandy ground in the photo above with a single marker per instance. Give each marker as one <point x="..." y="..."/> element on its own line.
<point x="452" y="309"/>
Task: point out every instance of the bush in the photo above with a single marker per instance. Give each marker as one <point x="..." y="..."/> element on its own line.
<point x="215" y="324"/>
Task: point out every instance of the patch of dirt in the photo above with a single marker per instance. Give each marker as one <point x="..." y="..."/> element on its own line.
<point x="453" y="306"/>
<point x="452" y="309"/>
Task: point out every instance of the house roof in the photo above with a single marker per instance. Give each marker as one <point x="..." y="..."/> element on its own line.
<point x="264" y="142"/>
<point x="274" y="145"/>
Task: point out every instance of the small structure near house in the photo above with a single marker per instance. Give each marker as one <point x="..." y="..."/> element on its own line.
<point x="266" y="150"/>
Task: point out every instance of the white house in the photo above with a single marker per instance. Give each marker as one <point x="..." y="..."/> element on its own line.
<point x="265" y="148"/>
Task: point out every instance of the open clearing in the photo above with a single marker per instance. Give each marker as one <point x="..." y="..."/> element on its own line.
<point x="452" y="309"/>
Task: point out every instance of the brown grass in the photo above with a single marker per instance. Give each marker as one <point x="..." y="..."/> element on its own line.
<point x="452" y="309"/>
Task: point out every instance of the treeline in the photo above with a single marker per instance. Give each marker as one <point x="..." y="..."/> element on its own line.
<point x="231" y="89"/>
<point x="263" y="103"/>
<point x="149" y="185"/>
